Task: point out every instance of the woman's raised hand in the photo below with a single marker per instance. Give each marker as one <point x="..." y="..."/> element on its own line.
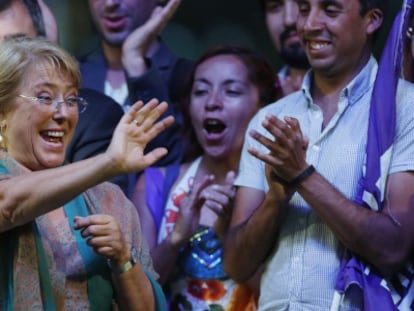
<point x="134" y="131"/>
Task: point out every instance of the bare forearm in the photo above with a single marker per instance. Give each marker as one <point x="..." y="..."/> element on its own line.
<point x="255" y="236"/>
<point x="134" y="290"/>
<point x="373" y="235"/>
<point x="164" y="257"/>
<point x="25" y="197"/>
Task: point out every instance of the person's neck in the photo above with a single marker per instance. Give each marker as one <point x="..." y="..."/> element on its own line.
<point x="326" y="87"/>
<point x="296" y="73"/>
<point x="113" y="56"/>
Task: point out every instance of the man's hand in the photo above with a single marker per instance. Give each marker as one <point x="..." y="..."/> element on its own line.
<point x="135" y="47"/>
<point x="287" y="156"/>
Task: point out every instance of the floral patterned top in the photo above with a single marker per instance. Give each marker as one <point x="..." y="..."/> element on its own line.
<point x="199" y="282"/>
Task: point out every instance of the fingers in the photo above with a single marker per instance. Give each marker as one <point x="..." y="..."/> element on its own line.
<point x="103" y="234"/>
<point x="205" y="182"/>
<point x="152" y="130"/>
<point x="144" y="115"/>
<point x="219" y="193"/>
<point x="219" y="198"/>
<point x="162" y="15"/>
<point x="277" y="151"/>
<point x="194" y="197"/>
<point x="286" y="145"/>
<point x="287" y="136"/>
<point x="146" y="125"/>
<point x="95" y="225"/>
<point x="153" y="156"/>
<point x="135" y="47"/>
<point x="230" y="177"/>
<point x="282" y="131"/>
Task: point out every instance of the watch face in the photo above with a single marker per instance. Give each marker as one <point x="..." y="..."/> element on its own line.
<point x="134" y="255"/>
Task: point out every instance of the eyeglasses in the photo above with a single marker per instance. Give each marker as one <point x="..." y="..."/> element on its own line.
<point x="71" y="103"/>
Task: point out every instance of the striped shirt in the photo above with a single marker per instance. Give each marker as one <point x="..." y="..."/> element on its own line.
<point x="301" y="272"/>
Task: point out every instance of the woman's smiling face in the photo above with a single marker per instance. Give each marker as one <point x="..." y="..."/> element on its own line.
<point x="36" y="135"/>
<point x="223" y="100"/>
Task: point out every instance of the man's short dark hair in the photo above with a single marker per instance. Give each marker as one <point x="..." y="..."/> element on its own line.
<point x="35" y="13"/>
<point x="367" y="5"/>
<point x="4" y="4"/>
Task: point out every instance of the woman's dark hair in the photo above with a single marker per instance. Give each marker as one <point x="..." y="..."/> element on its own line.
<point x="260" y="73"/>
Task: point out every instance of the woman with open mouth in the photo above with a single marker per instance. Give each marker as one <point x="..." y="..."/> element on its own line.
<point x="184" y="224"/>
<point x="68" y="241"/>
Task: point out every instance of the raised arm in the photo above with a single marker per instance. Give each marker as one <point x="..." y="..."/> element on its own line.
<point x="25" y="197"/>
<point x="135" y="48"/>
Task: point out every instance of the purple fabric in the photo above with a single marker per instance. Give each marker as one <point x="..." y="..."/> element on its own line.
<point x="382" y="111"/>
<point x="157" y="188"/>
<point x="154" y="181"/>
<point x="353" y="270"/>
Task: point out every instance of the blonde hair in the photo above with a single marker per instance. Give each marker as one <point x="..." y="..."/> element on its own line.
<point x="19" y="52"/>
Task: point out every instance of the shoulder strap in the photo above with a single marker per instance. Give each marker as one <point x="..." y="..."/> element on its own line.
<point x="157" y="188"/>
<point x="171" y="175"/>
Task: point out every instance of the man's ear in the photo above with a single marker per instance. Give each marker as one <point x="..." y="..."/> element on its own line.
<point x="374" y="19"/>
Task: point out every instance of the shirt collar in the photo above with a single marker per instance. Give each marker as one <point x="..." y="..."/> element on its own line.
<point x="356" y="88"/>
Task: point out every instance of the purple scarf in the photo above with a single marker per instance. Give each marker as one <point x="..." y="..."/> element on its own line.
<point x="353" y="270"/>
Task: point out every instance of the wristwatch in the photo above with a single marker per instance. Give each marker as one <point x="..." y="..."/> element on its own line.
<point x="120" y="269"/>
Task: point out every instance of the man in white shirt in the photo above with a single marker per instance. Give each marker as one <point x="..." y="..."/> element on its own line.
<point x="301" y="167"/>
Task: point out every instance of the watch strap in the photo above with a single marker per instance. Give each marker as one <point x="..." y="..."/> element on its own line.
<point x="120" y="269"/>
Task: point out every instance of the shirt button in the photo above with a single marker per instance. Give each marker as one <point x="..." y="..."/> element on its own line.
<point x="317" y="114"/>
<point x="316" y="148"/>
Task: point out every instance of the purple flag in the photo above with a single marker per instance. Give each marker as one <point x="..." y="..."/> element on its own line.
<point x="354" y="271"/>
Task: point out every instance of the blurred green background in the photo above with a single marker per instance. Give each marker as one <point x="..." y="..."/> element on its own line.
<point x="197" y="25"/>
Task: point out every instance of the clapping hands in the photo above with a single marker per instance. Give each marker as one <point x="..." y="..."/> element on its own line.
<point x="205" y="194"/>
<point x="136" y="46"/>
